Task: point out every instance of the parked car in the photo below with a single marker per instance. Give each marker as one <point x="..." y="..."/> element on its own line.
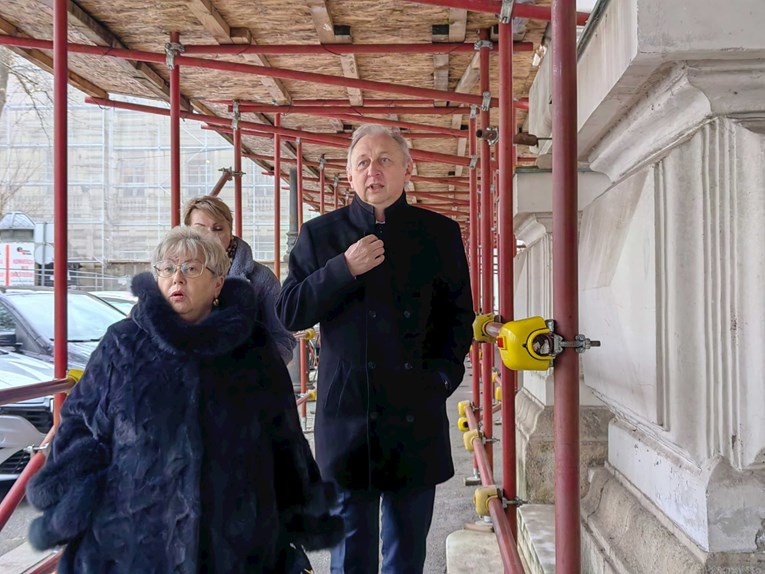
<point x="26" y="322"/>
<point x="26" y="423"/>
<point x="122" y="300"/>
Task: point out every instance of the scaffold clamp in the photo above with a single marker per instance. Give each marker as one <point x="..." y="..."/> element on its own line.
<point x="468" y="438"/>
<point x="479" y="327"/>
<point x="237" y="116"/>
<point x="173" y="49"/>
<point x="483" y="44"/>
<point x="486" y="103"/>
<point x="517" y="502"/>
<point x="483" y="495"/>
<point x="489" y="134"/>
<point x="43" y="448"/>
<point x="473" y="111"/>
<point x="506" y="13"/>
<point x="580" y="343"/>
<point x="473" y="161"/>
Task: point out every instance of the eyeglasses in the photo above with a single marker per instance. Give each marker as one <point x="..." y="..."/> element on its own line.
<point x="190" y="269"/>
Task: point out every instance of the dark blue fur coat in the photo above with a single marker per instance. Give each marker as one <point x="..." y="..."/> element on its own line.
<point x="180" y="450"/>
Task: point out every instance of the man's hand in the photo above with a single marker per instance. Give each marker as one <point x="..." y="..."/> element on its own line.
<point x="367" y="253"/>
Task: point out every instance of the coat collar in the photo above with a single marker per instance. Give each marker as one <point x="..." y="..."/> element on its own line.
<point x="363" y="213"/>
<point x="243" y="263"/>
<point x="223" y="330"/>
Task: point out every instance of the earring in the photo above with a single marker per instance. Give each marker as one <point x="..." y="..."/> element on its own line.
<point x="216" y="302"/>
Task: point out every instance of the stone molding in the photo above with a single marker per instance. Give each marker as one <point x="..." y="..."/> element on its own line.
<point x="536" y="453"/>
<point x="623" y="533"/>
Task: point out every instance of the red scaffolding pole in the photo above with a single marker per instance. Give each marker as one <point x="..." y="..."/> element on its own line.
<point x="495" y="7"/>
<point x="238" y="178"/>
<point x="60" y="192"/>
<point x="475" y="278"/>
<point x="348" y="109"/>
<point x="321" y="188"/>
<point x="277" y="197"/>
<point x="565" y="289"/>
<point x="253" y="128"/>
<point x="340" y="49"/>
<point x="273" y="72"/>
<point x="487" y="254"/>
<point x="506" y="239"/>
<point x="175" y="137"/>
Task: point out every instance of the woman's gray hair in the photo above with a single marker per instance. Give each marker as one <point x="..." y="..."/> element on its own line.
<point x="184" y="241"/>
<point x="374" y="130"/>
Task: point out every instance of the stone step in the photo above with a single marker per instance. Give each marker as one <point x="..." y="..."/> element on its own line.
<point x="470" y="552"/>
<point x="536" y="533"/>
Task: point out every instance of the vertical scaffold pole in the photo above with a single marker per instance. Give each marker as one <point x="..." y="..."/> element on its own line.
<point x="487" y="250"/>
<point x="60" y="194"/>
<point x="565" y="288"/>
<point x="175" y="136"/>
<point x="238" y="173"/>
<point x="277" y="197"/>
<point x="506" y="238"/>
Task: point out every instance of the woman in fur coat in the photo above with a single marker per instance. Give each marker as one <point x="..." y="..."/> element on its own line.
<point x="212" y="214"/>
<point x="180" y="449"/>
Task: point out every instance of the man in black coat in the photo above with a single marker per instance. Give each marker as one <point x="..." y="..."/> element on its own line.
<point x="389" y="284"/>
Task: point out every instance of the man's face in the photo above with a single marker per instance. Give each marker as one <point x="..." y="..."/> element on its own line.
<point x="378" y="170"/>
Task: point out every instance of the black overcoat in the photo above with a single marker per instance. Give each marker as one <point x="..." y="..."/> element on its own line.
<point x="393" y="342"/>
<point x="180" y="450"/>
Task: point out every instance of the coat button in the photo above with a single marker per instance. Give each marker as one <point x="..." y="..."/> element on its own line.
<point x="371" y="365"/>
<point x="410" y="418"/>
<point x="373" y="314"/>
<point x="407" y="314"/>
<point x="408" y="366"/>
<point x="373" y="416"/>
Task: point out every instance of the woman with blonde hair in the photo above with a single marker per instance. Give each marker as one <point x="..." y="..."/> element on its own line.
<point x="211" y="213"/>
<point x="180" y="449"/>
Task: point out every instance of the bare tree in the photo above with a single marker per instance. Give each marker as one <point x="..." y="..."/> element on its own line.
<point x="22" y="81"/>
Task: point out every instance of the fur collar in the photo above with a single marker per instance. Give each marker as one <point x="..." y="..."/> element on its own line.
<point x="223" y="330"/>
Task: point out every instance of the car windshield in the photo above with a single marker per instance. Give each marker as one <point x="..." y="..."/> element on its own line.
<point x="87" y="317"/>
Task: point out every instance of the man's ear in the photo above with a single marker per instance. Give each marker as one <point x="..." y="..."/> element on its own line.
<point x="408" y="172"/>
<point x="349" y="176"/>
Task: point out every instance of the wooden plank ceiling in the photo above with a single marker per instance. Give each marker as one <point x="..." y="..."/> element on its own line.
<point x="146" y="26"/>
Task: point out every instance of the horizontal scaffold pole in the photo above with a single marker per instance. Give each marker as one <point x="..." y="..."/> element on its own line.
<point x="281" y="73"/>
<point x="495" y="7"/>
<point x="341" y="49"/>
<point x="325" y="139"/>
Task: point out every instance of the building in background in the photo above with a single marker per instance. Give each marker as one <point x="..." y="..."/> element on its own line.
<point x="119" y="179"/>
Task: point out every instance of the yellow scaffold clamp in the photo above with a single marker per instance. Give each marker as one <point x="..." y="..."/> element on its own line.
<point x="75" y="374"/>
<point x="479" y="328"/>
<point x="462" y="424"/>
<point x="468" y="437"/>
<point x="527" y="344"/>
<point x="463" y="406"/>
<point x="482" y="496"/>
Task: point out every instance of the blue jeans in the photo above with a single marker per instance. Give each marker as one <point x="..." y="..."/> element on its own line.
<point x="405" y="518"/>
